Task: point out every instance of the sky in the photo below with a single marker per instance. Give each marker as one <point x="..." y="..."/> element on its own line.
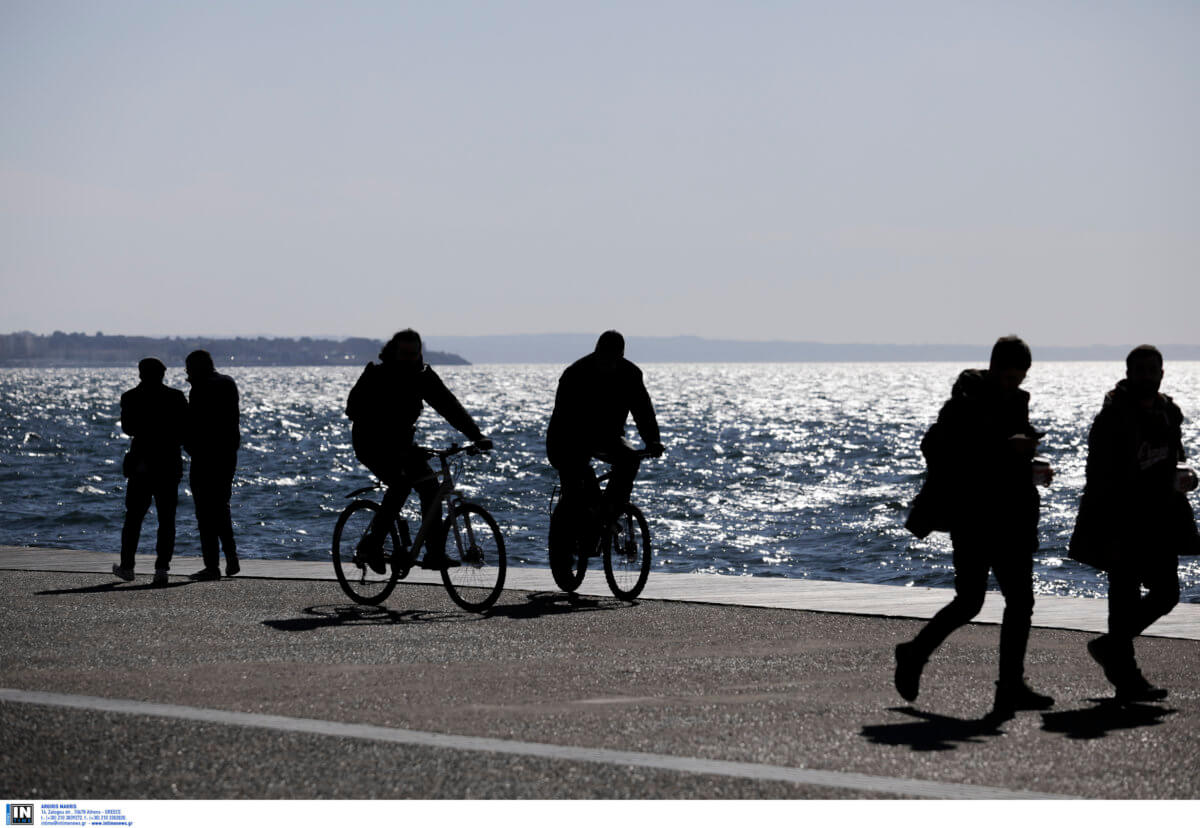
<point x="875" y="172"/>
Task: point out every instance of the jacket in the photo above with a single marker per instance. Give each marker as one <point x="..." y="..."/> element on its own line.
<point x="155" y="416"/>
<point x="386" y="402"/>
<point x="591" y="407"/>
<point x="1129" y="504"/>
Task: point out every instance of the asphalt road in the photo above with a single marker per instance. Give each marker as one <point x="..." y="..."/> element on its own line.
<point x="766" y="688"/>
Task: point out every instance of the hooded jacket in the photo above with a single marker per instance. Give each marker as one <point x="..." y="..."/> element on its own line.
<point x="978" y="476"/>
<point x="387" y="400"/>
<point x="1129" y="503"/>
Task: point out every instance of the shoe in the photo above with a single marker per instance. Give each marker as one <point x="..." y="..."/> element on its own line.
<point x="1139" y="690"/>
<point x="232" y="567"/>
<point x="371" y="553"/>
<point x="206" y="574"/>
<point x="161" y="578"/>
<point x="123" y="574"/>
<point x="438" y="561"/>
<point x="908" y="671"/>
<point x="1018" y="696"/>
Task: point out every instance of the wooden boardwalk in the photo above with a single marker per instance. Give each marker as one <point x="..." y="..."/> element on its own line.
<point x="1085" y="614"/>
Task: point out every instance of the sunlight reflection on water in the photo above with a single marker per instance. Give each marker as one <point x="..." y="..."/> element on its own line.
<point x="792" y="470"/>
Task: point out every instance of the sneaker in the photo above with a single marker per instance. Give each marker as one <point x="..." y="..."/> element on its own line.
<point x="161" y="578"/>
<point x="908" y="671"/>
<point x="1019" y="696"/>
<point x="122" y="573"/>
<point x="438" y="561"/>
<point x="206" y="574"/>
<point x="232" y="566"/>
<point x="1139" y="690"/>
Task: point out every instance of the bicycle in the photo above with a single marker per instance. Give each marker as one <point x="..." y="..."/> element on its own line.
<point x="578" y="534"/>
<point x="474" y="579"/>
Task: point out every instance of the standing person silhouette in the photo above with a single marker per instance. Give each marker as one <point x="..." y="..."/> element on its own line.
<point x="1134" y="517"/>
<point x="984" y="451"/>
<point x="213" y="437"/>
<point x="384" y="406"/>
<point x="155" y="416"/>
<point x="596" y="394"/>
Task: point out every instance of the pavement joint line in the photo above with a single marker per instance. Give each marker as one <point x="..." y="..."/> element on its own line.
<point x="842" y="598"/>
<point x="717" y="767"/>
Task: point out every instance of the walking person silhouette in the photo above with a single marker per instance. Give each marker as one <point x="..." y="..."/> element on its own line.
<point x="1134" y="517"/>
<point x="213" y="437"/>
<point x="981" y="449"/>
<point x="155" y="416"/>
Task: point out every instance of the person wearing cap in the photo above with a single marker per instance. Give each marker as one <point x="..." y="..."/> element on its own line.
<point x="982" y="446"/>
<point x="595" y="396"/>
<point x="384" y="406"/>
<point x="155" y="416"/>
<point x="212" y="441"/>
<point x="1134" y="517"/>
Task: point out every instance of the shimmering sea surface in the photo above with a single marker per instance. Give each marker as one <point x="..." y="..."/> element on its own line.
<point x="773" y="470"/>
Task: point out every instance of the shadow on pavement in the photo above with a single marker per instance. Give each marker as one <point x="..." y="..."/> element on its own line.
<point x="1107" y="716"/>
<point x="934" y="732"/>
<point x="340" y="615"/>
<point x="540" y="604"/>
<point x="116" y="586"/>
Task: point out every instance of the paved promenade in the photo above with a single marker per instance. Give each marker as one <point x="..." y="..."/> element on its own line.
<point x="272" y="685"/>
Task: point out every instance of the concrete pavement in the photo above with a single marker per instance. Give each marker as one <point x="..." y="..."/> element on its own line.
<point x="271" y="687"/>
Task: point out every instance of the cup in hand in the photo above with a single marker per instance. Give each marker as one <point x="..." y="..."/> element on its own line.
<point x="1042" y="473"/>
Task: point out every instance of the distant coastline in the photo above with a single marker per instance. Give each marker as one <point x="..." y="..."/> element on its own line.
<point x="24" y="349"/>
<point x="565" y="348"/>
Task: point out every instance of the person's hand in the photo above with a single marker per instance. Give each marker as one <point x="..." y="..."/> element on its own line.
<point x="1023" y="444"/>
<point x="483" y="444"/>
<point x="656" y="449"/>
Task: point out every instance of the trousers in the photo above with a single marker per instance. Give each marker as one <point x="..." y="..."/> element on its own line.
<point x="140" y="491"/>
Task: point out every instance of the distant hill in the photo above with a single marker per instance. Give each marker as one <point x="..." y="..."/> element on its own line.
<point x="27" y="349"/>
<point x="565" y="348"/>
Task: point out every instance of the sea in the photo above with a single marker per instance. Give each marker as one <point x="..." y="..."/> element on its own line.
<point x="782" y="470"/>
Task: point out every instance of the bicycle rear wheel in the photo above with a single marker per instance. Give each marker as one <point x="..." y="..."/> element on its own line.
<point x="358" y="580"/>
<point x="474" y="541"/>
<point x="568" y="562"/>
<point x="627" y="554"/>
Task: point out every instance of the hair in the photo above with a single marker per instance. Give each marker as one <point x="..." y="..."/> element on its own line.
<point x="1010" y="352"/>
<point x="1144" y="352"/>
<point x="407" y="335"/>
<point x="199" y="362"/>
<point x="151" y="369"/>
<point x="610" y="344"/>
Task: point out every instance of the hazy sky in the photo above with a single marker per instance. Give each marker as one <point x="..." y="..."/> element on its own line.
<point x="842" y="171"/>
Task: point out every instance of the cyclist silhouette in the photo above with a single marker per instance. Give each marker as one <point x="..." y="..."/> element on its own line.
<point x="596" y="394"/>
<point x="384" y="406"/>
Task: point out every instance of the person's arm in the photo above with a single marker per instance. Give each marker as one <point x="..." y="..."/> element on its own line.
<point x="445" y="403"/>
<point x="129" y="420"/>
<point x="644" y="417"/>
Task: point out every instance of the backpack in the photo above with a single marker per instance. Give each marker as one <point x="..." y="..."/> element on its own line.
<point x="931" y="508"/>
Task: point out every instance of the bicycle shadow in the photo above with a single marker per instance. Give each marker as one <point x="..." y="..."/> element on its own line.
<point x="344" y="615"/>
<point x="542" y="604"/>
<point x="117" y="586"/>
<point x="933" y="732"/>
<point x="1105" y="717"/>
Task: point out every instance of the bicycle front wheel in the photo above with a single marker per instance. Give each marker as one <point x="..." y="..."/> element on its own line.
<point x="627" y="554"/>
<point x="357" y="577"/>
<point x="475" y="545"/>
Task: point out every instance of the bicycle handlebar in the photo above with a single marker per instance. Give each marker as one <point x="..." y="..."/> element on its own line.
<point x="454" y="449"/>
